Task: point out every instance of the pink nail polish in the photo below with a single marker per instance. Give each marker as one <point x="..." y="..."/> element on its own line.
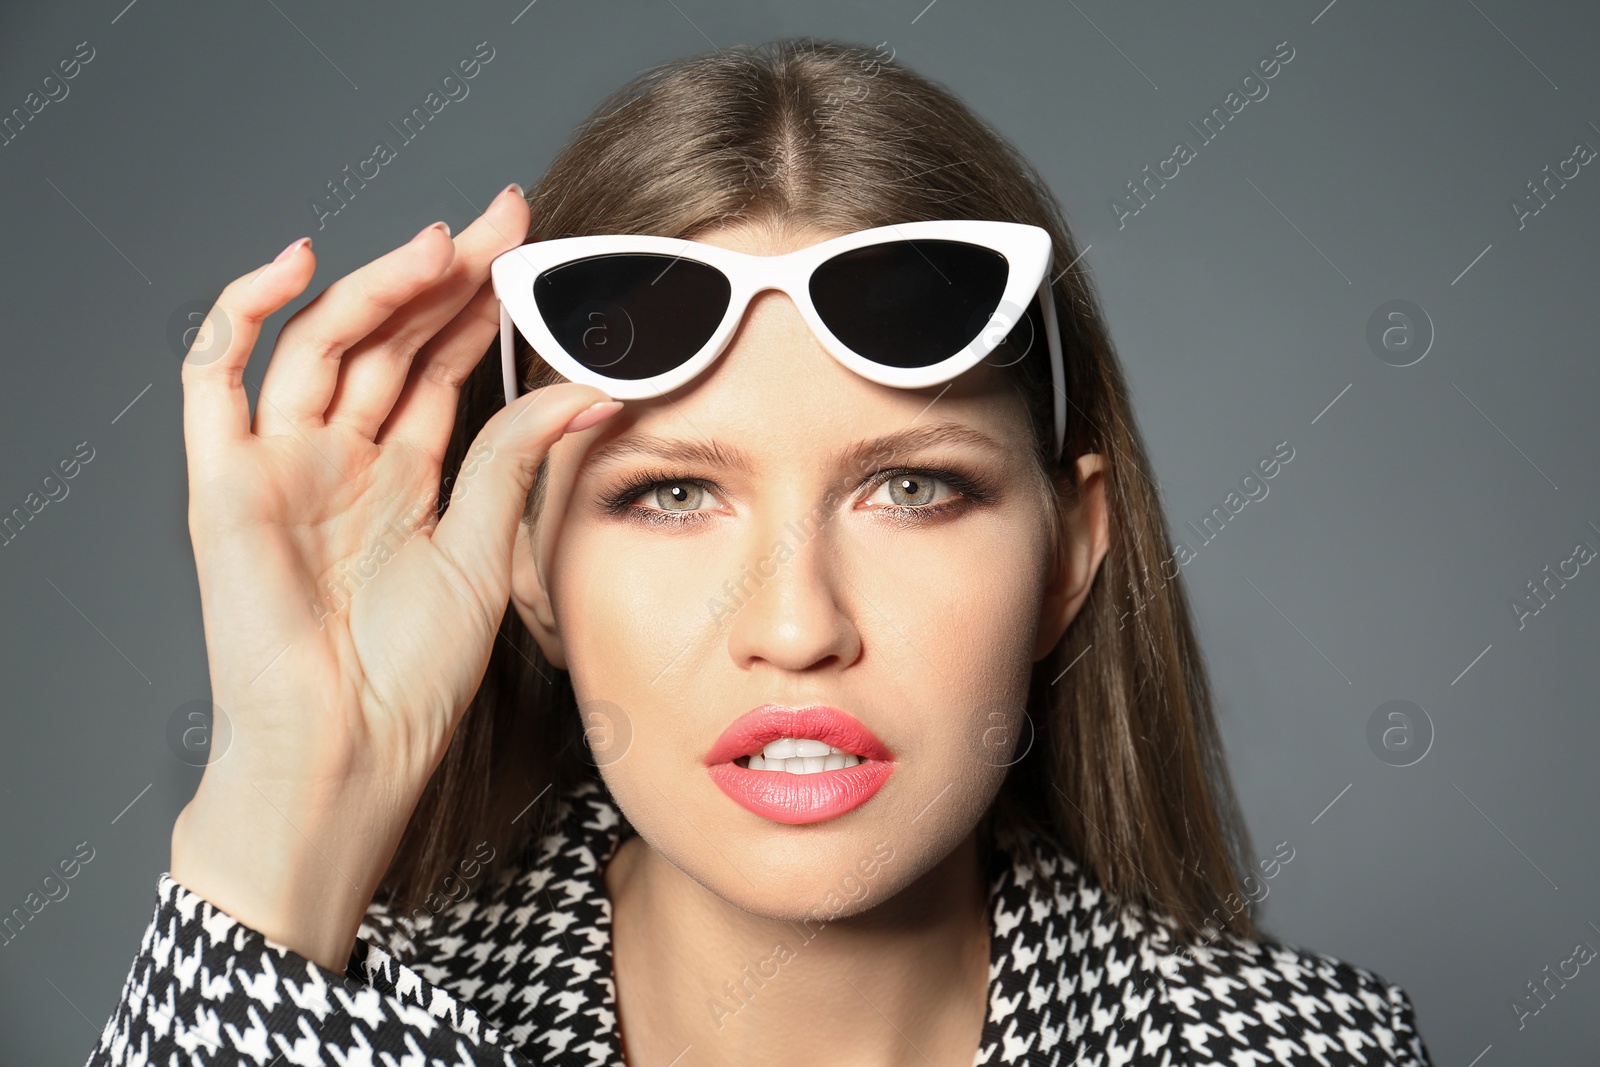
<point x="444" y="227"/>
<point x="592" y="414"/>
<point x="293" y="247"/>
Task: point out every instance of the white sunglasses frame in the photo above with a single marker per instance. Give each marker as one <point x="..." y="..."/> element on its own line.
<point x="1026" y="248"/>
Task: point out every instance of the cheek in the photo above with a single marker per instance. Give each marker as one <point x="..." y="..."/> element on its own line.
<point x="627" y="606"/>
<point x="642" y="656"/>
<point x="969" y="600"/>
<point x="955" y="618"/>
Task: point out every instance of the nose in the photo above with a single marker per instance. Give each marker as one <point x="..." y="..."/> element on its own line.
<point x="793" y="605"/>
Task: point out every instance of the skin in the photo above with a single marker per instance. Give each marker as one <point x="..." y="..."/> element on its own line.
<point x="341" y="706"/>
<point x="919" y="627"/>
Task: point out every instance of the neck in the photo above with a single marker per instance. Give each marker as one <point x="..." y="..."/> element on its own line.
<point x="905" y="982"/>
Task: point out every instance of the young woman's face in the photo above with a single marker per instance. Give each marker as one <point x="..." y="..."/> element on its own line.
<point x="742" y="542"/>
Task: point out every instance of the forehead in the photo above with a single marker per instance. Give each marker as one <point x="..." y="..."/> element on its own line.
<point x="776" y="393"/>
<point x="765" y="237"/>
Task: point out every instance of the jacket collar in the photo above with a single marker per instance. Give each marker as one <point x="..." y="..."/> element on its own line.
<point x="1072" y="976"/>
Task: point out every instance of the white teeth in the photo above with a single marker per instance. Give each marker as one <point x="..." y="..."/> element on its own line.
<point x="790" y="747"/>
<point x="834" y="761"/>
<point x="802" y="755"/>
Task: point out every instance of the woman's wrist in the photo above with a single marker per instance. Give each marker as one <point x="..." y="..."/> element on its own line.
<point x="299" y="871"/>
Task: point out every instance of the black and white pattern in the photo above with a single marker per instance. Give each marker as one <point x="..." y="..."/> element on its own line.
<point x="519" y="973"/>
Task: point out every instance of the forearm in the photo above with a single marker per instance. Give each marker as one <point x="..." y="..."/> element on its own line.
<point x="301" y="870"/>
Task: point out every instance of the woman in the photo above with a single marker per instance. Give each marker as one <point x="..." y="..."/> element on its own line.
<point x="822" y="728"/>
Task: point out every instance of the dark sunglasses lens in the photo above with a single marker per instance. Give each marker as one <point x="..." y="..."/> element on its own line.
<point x="1028" y="331"/>
<point x="632" y="315"/>
<point x="909" y="303"/>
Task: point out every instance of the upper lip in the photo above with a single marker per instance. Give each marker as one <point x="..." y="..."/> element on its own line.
<point x="750" y="732"/>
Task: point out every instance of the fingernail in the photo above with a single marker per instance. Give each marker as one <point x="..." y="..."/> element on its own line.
<point x="592" y="414"/>
<point x="293" y="247"/>
<point x="514" y="186"/>
<point x="443" y="227"/>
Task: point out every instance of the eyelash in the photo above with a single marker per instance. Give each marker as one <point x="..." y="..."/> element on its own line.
<point x="970" y="491"/>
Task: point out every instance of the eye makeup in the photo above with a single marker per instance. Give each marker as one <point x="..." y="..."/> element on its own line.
<point x="970" y="490"/>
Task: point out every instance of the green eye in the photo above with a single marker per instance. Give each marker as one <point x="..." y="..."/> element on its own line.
<point x="907" y="493"/>
<point x="916" y="489"/>
<point x="679" y="496"/>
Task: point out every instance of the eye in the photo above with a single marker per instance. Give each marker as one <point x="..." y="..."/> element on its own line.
<point x="906" y="494"/>
<point x="910" y="489"/>
<point x="661" y="497"/>
<point x="677" y="496"/>
<point x="915" y="494"/>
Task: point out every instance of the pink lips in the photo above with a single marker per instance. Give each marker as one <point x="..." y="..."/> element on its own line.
<point x="799" y="798"/>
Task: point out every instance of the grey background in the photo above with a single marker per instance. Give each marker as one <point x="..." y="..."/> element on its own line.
<point x="1380" y="566"/>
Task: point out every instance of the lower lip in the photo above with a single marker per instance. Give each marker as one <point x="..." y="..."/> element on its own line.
<point x="801" y="798"/>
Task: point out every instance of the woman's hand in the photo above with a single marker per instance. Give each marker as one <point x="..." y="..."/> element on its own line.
<point x="346" y="629"/>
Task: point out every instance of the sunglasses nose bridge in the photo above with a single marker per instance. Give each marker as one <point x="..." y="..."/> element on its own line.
<point x="784" y="281"/>
<point x="755" y="279"/>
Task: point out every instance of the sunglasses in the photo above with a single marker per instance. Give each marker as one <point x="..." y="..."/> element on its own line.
<point x="908" y="306"/>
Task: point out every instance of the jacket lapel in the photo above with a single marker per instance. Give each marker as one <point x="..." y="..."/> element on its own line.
<point x="1072" y="978"/>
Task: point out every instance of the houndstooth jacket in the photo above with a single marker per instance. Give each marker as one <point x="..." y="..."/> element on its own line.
<point x="519" y="973"/>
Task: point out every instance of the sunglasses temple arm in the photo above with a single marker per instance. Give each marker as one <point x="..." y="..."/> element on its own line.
<point x="1047" y="305"/>
<point x="508" y="350"/>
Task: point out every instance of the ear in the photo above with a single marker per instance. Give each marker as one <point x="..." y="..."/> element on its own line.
<point x="1085" y="535"/>
<point x="531" y="599"/>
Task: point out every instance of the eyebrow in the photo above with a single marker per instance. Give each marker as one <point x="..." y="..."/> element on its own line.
<point x="715" y="454"/>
